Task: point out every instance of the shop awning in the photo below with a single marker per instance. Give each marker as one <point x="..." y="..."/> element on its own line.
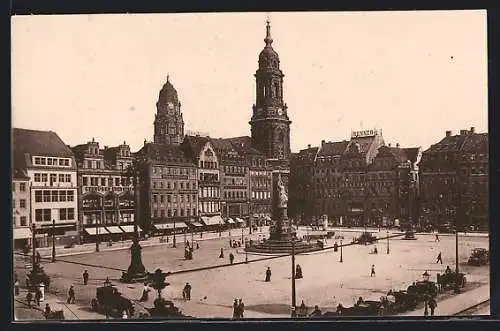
<point x="96" y="231"/>
<point x="239" y="220"/>
<point x="114" y="229"/>
<point x="170" y="226"/>
<point x="230" y="221"/>
<point x="214" y="220"/>
<point x="22" y="233"/>
<point x="128" y="228"/>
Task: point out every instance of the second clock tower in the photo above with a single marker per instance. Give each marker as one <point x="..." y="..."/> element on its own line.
<point x="270" y="124"/>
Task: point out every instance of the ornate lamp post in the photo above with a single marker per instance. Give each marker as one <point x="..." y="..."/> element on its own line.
<point x="387" y="241"/>
<point x="53" y="240"/>
<point x="294" y="304"/>
<point x="249" y="217"/>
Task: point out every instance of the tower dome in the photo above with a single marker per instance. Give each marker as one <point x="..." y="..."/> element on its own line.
<point x="268" y="58"/>
<point x="168" y="93"/>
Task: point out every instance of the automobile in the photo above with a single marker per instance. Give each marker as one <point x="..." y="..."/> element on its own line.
<point x="479" y="256"/>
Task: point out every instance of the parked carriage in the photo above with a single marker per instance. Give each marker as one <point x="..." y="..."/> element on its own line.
<point x="402" y="301"/>
<point x="54" y="315"/>
<point x="110" y="301"/>
<point x="479" y="256"/>
<point x="423" y="289"/>
<point x="165" y="309"/>
<point x="451" y="280"/>
<point x="365" y="308"/>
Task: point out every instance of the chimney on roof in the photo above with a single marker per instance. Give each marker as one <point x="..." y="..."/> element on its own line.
<point x="472" y="129"/>
<point x="322" y="143"/>
<point x="93" y="140"/>
<point x="124" y="142"/>
<point x="448" y="133"/>
<point x="308" y="145"/>
<point x="397" y="145"/>
<point x="389" y="145"/>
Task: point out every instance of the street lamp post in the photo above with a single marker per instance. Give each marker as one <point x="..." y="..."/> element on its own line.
<point x="249" y="217"/>
<point x="341" y="255"/>
<point x="387" y="241"/>
<point x="242" y="235"/>
<point x="185" y="234"/>
<point x="53" y="240"/>
<point x="293" y="279"/>
<point x="33" y="244"/>
<point x="173" y="240"/>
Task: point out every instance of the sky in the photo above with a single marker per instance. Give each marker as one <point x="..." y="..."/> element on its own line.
<point x="412" y="74"/>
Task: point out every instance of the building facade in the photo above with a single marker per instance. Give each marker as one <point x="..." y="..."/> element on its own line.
<point x="49" y="163"/>
<point x="21" y="209"/>
<point x="169" y="186"/>
<point x="454" y="181"/>
<point x="105" y="193"/>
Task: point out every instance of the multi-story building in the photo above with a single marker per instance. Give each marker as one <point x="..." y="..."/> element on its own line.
<point x="454" y="180"/>
<point x="201" y="152"/>
<point x="234" y="179"/>
<point x="21" y="209"/>
<point x="168" y="189"/>
<point x="301" y="202"/>
<point x="105" y="196"/>
<point x="49" y="163"/>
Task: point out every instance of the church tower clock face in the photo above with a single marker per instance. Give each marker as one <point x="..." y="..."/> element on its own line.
<point x="169" y="124"/>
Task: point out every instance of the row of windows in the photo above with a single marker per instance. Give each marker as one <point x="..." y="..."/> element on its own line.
<point x="23" y="221"/>
<point x="43" y="178"/>
<point x="174" y="185"/>
<point x="22" y="187"/>
<point x="208" y="165"/>
<point x="101" y="181"/>
<point x="45" y="215"/>
<point x="209" y="177"/>
<point x="209" y="207"/>
<point x="235" y="194"/>
<point x="174" y="171"/>
<point x="93" y="164"/>
<point x="173" y="212"/>
<point x="54" y="196"/>
<point x="235" y="181"/>
<point x="258" y="173"/>
<point x="234" y="169"/>
<point x="261" y="195"/>
<point x="173" y="198"/>
<point x="52" y="161"/>
<point x="22" y="203"/>
<point x="209" y="192"/>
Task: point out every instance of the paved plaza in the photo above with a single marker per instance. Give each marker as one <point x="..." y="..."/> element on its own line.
<point x="326" y="282"/>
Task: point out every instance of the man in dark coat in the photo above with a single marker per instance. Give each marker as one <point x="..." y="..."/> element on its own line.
<point x="221" y="255"/>
<point x="231" y="258"/>
<point x="71" y="295"/>
<point x="439" y="258"/>
<point x="316" y="312"/>
<point x="38" y="296"/>
<point x="187" y="290"/>
<point x="241" y="308"/>
<point x="85" y="277"/>
<point x="268" y="274"/>
<point x="235" y="309"/>
<point x="432" y="305"/>
<point x="29" y="298"/>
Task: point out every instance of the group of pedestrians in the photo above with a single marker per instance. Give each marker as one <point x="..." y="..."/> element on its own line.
<point x="238" y="308"/>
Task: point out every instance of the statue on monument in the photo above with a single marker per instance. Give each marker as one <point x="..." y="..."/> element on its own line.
<point x="282" y="196"/>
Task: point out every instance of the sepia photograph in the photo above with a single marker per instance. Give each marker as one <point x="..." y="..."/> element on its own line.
<point x="250" y="165"/>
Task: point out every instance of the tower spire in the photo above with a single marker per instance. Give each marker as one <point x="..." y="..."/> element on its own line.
<point x="168" y="77"/>
<point x="268" y="40"/>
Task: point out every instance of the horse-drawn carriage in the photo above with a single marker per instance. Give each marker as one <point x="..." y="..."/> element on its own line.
<point x="450" y="280"/>
<point x="423" y="289"/>
<point x="409" y="235"/>
<point x="478" y="257"/>
<point x="365" y="308"/>
<point x="164" y="309"/>
<point x="365" y="238"/>
<point x="110" y="301"/>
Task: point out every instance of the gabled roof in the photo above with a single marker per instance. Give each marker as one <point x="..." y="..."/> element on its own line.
<point x="448" y="144"/>
<point x="307" y="154"/>
<point x="195" y="144"/>
<point x="364" y="144"/>
<point x="476" y="142"/>
<point x="243" y="145"/>
<point x="26" y="143"/>
<point x="336" y="148"/>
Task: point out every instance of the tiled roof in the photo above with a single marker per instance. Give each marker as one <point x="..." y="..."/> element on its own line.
<point x="26" y="143"/>
<point x="195" y="144"/>
<point x="166" y="153"/>
<point x="333" y="148"/>
<point x="412" y="153"/>
<point x="243" y="145"/>
<point x="364" y="144"/>
<point x="308" y="154"/>
<point x="476" y="142"/>
<point x="448" y="144"/>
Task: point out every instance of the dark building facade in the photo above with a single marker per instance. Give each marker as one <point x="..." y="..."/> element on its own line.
<point x="454" y="181"/>
<point x="169" y="186"/>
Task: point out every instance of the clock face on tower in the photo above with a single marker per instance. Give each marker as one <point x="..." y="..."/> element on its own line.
<point x="170" y="105"/>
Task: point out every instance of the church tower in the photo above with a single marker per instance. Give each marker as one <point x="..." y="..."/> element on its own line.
<point x="169" y="124"/>
<point x="270" y="124"/>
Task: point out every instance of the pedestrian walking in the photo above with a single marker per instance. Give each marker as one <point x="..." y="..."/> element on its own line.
<point x="241" y="308"/>
<point x="221" y="255"/>
<point x="187" y="291"/>
<point x="372" y="273"/>
<point x="197" y="246"/>
<point x="448" y="270"/>
<point x="439" y="258"/>
<point x="437" y="238"/>
<point x="47" y="309"/>
<point x="29" y="298"/>
<point x="85" y="277"/>
<point x="71" y="295"/>
<point x="231" y="258"/>
<point x="298" y="272"/>
<point x="235" y="309"/>
<point x="16" y="288"/>
<point x="268" y="274"/>
<point x="38" y="296"/>
<point x="432" y="305"/>
<point x="230" y="243"/>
